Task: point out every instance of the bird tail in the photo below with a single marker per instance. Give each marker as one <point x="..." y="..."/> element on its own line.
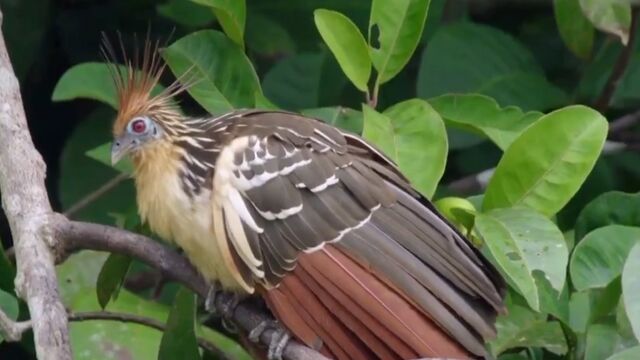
<point x="347" y="310"/>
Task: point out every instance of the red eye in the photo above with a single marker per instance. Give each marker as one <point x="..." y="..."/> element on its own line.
<point x="138" y="126"/>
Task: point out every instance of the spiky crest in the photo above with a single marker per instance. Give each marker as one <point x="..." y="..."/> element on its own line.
<point x="135" y="82"/>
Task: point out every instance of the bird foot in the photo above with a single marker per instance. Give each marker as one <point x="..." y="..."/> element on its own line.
<point x="228" y="300"/>
<point x="279" y="339"/>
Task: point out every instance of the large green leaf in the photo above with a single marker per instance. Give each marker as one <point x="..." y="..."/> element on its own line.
<point x="395" y="28"/>
<point x="179" y="339"/>
<point x="93" y="339"/>
<point x="599" y="257"/>
<point x="484" y="115"/>
<point x="9" y="306"/>
<point x="413" y="135"/>
<point x="631" y="288"/>
<point x="87" y="80"/>
<point x="231" y="15"/>
<point x="102" y="153"/>
<point x="545" y="166"/>
<point x="612" y="16"/>
<point x="268" y="37"/>
<point x="525" y="328"/>
<point x="523" y="242"/>
<point x="347" y="44"/>
<point x="575" y="29"/>
<point x="610" y="208"/>
<point x="342" y="117"/>
<point x="507" y="71"/>
<point x="186" y="13"/>
<point x="225" y="77"/>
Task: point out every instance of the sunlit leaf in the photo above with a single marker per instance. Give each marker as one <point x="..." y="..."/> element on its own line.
<point x="347" y="44"/>
<point x="231" y="15"/>
<point x="612" y="16"/>
<point x="524" y="242"/>
<point x="546" y="175"/>
<point x="631" y="288"/>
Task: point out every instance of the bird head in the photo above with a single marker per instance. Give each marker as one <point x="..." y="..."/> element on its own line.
<point x="145" y="110"/>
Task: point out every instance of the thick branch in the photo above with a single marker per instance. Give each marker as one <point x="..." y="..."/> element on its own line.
<point x="78" y="235"/>
<point x="26" y="205"/>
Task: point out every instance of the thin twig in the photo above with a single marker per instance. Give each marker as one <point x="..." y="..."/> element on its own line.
<point x="624" y="122"/>
<point x="142" y="320"/>
<point x="620" y="67"/>
<point x="94" y="195"/>
<point x="12" y="330"/>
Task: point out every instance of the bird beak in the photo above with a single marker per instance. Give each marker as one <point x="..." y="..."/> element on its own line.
<point x="119" y="148"/>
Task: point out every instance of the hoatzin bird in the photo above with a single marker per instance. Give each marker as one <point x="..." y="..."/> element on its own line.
<point x="347" y="255"/>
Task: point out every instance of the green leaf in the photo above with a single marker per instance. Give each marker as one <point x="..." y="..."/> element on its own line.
<point x="179" y="339"/>
<point x="88" y="80"/>
<point x="347" y="44"/>
<point x="413" y="135"/>
<point x="631" y="288"/>
<point x="610" y="208"/>
<point x="226" y="78"/>
<point x="508" y="71"/>
<point x="293" y="83"/>
<point x="76" y="166"/>
<point x="186" y="13"/>
<point x="545" y="176"/>
<point x="342" y="117"/>
<point x="632" y="353"/>
<point x="399" y="26"/>
<point x="599" y="257"/>
<point x="268" y="37"/>
<point x="611" y="16"/>
<point x="579" y="311"/>
<point x="525" y="328"/>
<point x="9" y="305"/>
<point x="483" y="114"/>
<point x="231" y="15"/>
<point x="575" y="29"/>
<point x="524" y="242"/>
<point x="111" y="278"/>
<point x="601" y="342"/>
<point x="102" y="153"/>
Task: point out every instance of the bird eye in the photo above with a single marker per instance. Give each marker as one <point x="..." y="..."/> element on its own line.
<point x="138" y="126"/>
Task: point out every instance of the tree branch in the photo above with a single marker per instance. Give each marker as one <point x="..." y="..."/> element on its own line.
<point x="12" y="330"/>
<point x="74" y="236"/>
<point x="137" y="319"/>
<point x="620" y="67"/>
<point x="26" y="205"/>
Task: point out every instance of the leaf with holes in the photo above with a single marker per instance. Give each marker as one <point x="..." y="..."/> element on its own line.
<point x="413" y="135"/>
<point x="611" y="16"/>
<point x="599" y="257"/>
<point x="524" y="242"/>
<point x="395" y="28"/>
<point x="225" y="78"/>
<point x="231" y="15"/>
<point x="545" y="166"/>
<point x="347" y="44"/>
<point x="483" y="114"/>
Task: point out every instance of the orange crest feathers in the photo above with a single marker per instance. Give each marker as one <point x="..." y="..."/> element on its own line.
<point x="136" y="80"/>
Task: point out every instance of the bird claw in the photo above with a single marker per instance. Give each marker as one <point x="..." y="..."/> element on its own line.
<point x="279" y="339"/>
<point x="228" y="300"/>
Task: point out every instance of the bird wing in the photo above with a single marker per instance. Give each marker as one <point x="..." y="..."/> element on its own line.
<point x="295" y="196"/>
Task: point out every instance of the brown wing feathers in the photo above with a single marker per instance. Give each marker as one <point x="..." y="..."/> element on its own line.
<point x="350" y="255"/>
